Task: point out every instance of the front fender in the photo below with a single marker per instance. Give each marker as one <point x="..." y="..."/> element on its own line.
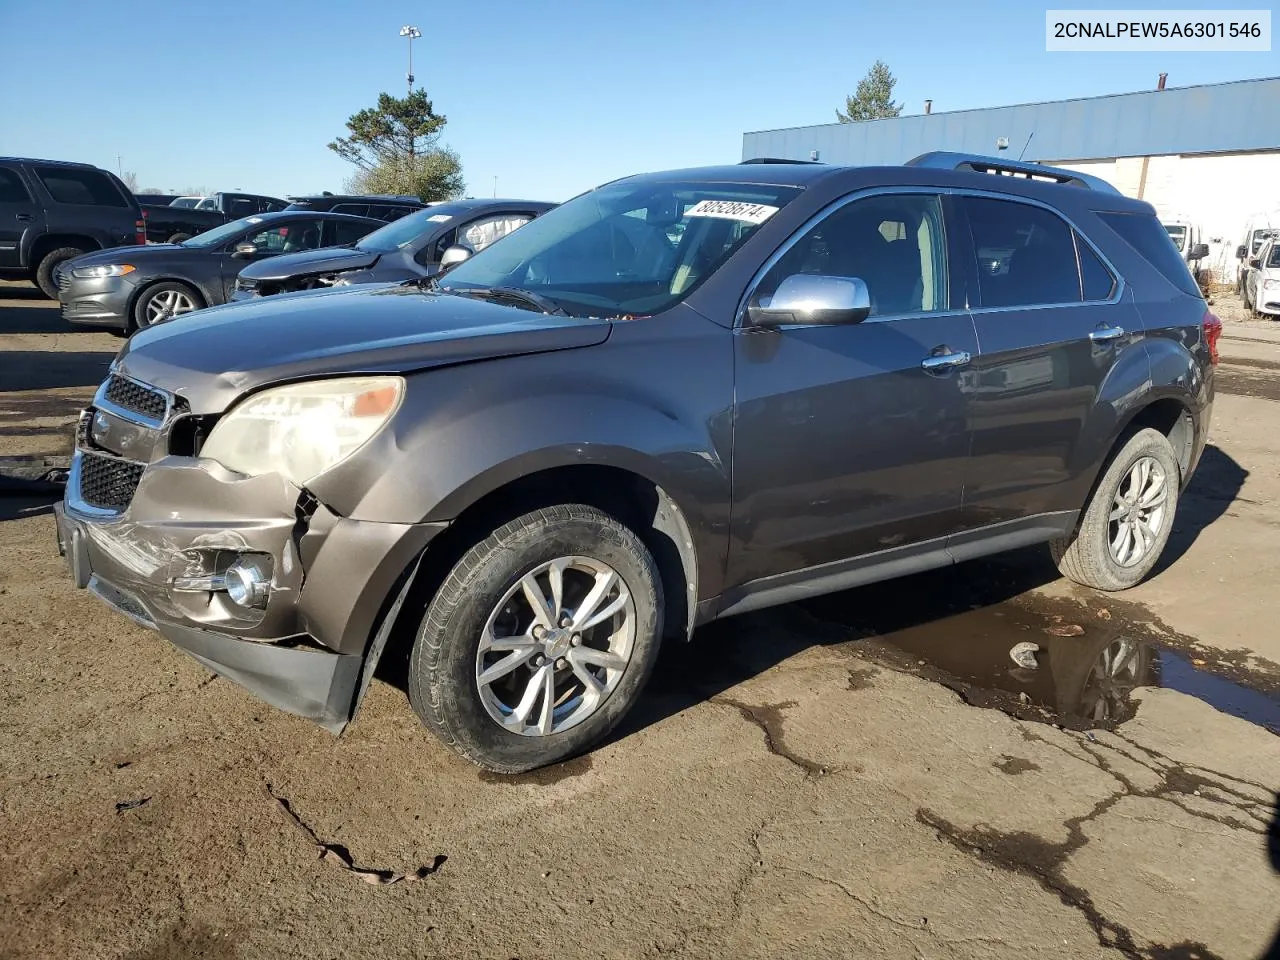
<point x="466" y="431"/>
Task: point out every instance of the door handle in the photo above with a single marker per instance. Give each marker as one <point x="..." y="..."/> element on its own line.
<point x="23" y="217"/>
<point x="945" y="361"/>
<point x="1106" y="334"/>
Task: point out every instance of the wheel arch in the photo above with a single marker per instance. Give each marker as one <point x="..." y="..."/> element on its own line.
<point x="45" y="244"/>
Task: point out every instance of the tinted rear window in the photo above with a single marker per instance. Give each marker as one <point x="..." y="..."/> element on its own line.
<point x="1150" y="239"/>
<point x="85" y="187"/>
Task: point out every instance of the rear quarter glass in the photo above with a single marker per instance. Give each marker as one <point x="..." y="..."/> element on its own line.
<point x="1146" y="235"/>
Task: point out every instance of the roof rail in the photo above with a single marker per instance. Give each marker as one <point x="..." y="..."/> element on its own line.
<point x="779" y="160"/>
<point x="974" y="163"/>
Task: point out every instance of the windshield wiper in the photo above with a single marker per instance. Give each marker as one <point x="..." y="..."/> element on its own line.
<point x="516" y="294"/>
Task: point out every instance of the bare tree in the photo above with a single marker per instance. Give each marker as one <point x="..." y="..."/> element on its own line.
<point x="130" y="180"/>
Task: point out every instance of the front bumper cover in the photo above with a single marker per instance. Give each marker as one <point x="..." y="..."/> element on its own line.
<point x="313" y="648"/>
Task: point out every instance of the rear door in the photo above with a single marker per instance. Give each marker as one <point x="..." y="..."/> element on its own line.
<point x="1051" y="321"/>
<point x="851" y="440"/>
<point x="19" y="214"/>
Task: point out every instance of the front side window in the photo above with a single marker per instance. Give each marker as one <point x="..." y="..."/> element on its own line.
<point x="1026" y="255"/>
<point x="287" y="237"/>
<point x="84" y="187"/>
<point x="208" y="203"/>
<point x="893" y="243"/>
<point x="1178" y="235"/>
<point x="628" y="248"/>
<point x="1273" y="258"/>
<point x="480" y="233"/>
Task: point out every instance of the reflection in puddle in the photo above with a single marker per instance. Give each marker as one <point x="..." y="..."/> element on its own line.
<point x="1054" y="661"/>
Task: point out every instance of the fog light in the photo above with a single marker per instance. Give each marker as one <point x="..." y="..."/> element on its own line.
<point x="246" y="585"/>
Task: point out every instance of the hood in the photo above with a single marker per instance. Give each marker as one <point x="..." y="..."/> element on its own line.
<point x="137" y="252"/>
<point x="213" y="356"/>
<point x="309" y="261"/>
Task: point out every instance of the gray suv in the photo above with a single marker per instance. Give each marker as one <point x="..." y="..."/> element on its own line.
<point x="677" y="397"/>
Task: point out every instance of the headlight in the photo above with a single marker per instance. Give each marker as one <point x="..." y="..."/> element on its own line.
<point x="103" y="270"/>
<point x="303" y="430"/>
<point x="1269" y="284"/>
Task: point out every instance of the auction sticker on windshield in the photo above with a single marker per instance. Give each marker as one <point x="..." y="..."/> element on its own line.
<point x="732" y="210"/>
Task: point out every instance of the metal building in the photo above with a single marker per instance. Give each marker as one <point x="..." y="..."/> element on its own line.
<point x="1207" y="155"/>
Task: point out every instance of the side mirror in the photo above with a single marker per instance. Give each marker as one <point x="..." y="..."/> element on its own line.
<point x="808" y="299"/>
<point x="454" y="256"/>
<point x="1241" y="252"/>
<point x="245" y="250"/>
<point x="1199" y="251"/>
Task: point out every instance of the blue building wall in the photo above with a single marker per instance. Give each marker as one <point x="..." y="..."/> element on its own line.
<point x="1217" y="118"/>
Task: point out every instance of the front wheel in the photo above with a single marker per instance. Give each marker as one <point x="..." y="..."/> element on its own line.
<point x="1128" y="520"/>
<point x="163" y="302"/>
<point x="539" y="641"/>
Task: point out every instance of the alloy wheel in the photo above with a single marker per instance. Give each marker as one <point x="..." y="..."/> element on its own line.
<point x="166" y="304"/>
<point x="555" y="646"/>
<point x="1138" y="512"/>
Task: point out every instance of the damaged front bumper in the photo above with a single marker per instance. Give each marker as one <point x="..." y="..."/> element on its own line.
<point x="308" y="641"/>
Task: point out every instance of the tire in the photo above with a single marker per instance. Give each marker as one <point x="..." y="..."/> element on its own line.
<point x="150" y="306"/>
<point x="482" y="595"/>
<point x="178" y="238"/>
<point x="1093" y="556"/>
<point x="44" y="271"/>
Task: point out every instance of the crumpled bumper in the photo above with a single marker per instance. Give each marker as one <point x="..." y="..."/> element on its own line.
<point x="332" y="579"/>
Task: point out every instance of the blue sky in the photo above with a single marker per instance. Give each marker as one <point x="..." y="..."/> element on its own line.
<point x="550" y="96"/>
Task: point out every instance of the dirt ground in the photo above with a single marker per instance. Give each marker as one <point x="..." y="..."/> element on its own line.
<point x="866" y="775"/>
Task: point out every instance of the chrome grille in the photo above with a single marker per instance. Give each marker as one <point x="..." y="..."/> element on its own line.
<point x="134" y="397"/>
<point x="107" y="482"/>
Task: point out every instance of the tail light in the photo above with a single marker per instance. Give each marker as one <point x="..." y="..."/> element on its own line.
<point x="1212" y="327"/>
<point x="140" y="228"/>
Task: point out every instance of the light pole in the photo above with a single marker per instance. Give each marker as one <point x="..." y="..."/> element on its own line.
<point x="495" y="186"/>
<point x="411" y="34"/>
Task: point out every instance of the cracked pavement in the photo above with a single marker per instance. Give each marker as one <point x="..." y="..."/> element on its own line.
<point x="785" y="789"/>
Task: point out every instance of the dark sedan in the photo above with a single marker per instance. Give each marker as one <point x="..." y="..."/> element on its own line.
<point x="406" y="249"/>
<point x="131" y="287"/>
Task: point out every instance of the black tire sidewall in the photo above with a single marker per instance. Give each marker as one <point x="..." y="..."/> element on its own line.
<point x="48" y="263"/>
<point x="443" y="676"/>
<point x="1144" y="443"/>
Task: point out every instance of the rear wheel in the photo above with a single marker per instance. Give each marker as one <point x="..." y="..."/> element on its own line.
<point x="48" y="263"/>
<point x="539" y="641"/>
<point x="178" y="238"/>
<point x="1127" y="522"/>
<point x="163" y="302"/>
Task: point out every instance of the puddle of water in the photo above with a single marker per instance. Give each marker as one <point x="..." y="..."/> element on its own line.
<point x="1080" y="673"/>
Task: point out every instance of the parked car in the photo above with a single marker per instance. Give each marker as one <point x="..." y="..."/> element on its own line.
<point x="585" y="439"/>
<point x="51" y="211"/>
<point x="1262" y="282"/>
<point x="386" y="208"/>
<point x="169" y="223"/>
<point x="1259" y="231"/>
<point x="134" y="287"/>
<point x="408" y="249"/>
<point x="1187" y="239"/>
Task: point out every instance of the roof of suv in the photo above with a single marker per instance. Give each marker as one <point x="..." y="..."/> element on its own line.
<point x="939" y="168"/>
<point x="52" y="163"/>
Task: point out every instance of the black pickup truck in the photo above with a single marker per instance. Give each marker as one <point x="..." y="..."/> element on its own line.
<point x="51" y="211"/>
<point x="170" y="224"/>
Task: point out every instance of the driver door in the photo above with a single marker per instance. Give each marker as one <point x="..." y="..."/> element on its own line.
<point x="851" y="441"/>
<point x="289" y="236"/>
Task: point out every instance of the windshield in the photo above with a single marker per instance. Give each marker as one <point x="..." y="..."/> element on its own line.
<point x="400" y="233"/>
<point x="1273" y="258"/>
<point x="211" y="238"/>
<point x="629" y="248"/>
<point x="1178" y="235"/>
<point x="1259" y="238"/>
